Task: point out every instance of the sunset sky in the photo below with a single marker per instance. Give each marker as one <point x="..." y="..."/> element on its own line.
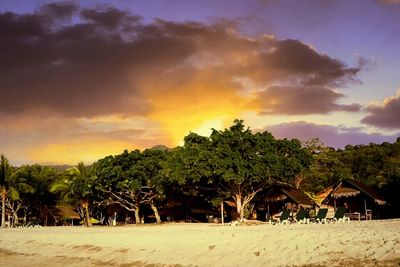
<point x="80" y="80"/>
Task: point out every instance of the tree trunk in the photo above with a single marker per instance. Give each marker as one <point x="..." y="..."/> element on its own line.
<point x="137" y="218"/>
<point x="155" y="210"/>
<point x="3" y="207"/>
<point x="242" y="213"/>
<point x="239" y="206"/>
<point x="87" y="215"/>
<point x="298" y="180"/>
<point x="15" y="219"/>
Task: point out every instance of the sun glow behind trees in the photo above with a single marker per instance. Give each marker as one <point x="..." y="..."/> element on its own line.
<point x="231" y="165"/>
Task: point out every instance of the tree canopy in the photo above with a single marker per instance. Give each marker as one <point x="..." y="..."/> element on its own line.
<point x="238" y="162"/>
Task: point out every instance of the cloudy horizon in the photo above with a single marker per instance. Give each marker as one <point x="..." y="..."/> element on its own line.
<point x="82" y="80"/>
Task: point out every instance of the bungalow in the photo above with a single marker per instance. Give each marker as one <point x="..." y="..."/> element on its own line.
<point x="357" y="197"/>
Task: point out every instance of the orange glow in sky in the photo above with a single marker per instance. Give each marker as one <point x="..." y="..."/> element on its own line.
<point x="80" y="81"/>
<point x="72" y="153"/>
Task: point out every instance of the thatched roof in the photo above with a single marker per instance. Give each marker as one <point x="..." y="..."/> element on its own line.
<point x="352" y="188"/>
<point x="321" y="195"/>
<point x="67" y="212"/>
<point x="324" y="193"/>
<point x="280" y="192"/>
<point x="345" y="192"/>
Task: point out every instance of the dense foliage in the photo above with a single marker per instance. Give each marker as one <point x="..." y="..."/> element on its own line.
<point x="238" y="163"/>
<point x="232" y="165"/>
<point x="132" y="179"/>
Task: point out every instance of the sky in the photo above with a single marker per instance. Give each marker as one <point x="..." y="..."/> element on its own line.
<point x="80" y="80"/>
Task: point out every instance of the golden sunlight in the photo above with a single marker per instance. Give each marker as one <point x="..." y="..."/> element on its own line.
<point x="178" y="115"/>
<point x="72" y="153"/>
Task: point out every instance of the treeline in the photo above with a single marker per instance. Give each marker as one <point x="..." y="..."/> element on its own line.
<point x="232" y="165"/>
<point x="377" y="165"/>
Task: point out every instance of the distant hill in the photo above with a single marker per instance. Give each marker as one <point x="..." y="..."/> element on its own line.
<point x="60" y="168"/>
<point x="161" y="147"/>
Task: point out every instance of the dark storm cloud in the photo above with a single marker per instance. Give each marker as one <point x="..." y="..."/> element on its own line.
<point x="386" y="115"/>
<point x="332" y="136"/>
<point x="306" y="80"/>
<point x="302" y="63"/>
<point x="79" y="62"/>
<point x="110" y="17"/>
<point x="302" y="100"/>
<point x="77" y="69"/>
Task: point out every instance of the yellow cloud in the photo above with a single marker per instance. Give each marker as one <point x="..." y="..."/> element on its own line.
<point x="88" y="152"/>
<point x="195" y="110"/>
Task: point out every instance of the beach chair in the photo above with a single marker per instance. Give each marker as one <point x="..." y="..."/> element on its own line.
<point x="301" y="217"/>
<point x="284" y="218"/>
<point x="321" y="216"/>
<point x="340" y="215"/>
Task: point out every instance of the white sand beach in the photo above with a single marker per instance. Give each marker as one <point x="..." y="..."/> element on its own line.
<point x="371" y="243"/>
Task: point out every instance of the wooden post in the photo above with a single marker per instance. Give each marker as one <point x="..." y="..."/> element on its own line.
<point x="334" y="204"/>
<point x="365" y="206"/>
<point x="269" y="216"/>
<point x="222" y="212"/>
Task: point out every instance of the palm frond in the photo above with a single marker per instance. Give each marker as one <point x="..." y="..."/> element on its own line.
<point x="25" y="188"/>
<point x="13" y="193"/>
<point x="59" y="187"/>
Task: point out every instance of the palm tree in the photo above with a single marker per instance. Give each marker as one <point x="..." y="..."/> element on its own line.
<point x="75" y="188"/>
<point x="11" y="184"/>
<point x="42" y="203"/>
<point x="5" y="173"/>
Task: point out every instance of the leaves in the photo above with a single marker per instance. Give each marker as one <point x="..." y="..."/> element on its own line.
<point x="235" y="161"/>
<point x="133" y="178"/>
<point x="75" y="184"/>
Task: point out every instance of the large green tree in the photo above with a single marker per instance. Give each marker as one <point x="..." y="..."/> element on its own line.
<point x="116" y="179"/>
<point x="132" y="179"/>
<point x="149" y="170"/>
<point x="237" y="162"/>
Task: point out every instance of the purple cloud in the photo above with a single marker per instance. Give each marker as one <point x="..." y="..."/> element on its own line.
<point x="332" y="136"/>
<point x="112" y="62"/>
<point x="292" y="100"/>
<point x="386" y="115"/>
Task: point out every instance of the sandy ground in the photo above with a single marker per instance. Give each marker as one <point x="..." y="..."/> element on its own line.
<point x="374" y="243"/>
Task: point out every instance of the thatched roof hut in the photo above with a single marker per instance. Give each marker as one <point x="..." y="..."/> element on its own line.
<point x="352" y="188"/>
<point x="284" y="192"/>
<point x="355" y="196"/>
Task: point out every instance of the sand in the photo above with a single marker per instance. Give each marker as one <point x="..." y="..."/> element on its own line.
<point x="372" y="243"/>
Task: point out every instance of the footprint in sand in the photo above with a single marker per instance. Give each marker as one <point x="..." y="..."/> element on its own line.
<point x="122" y="250"/>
